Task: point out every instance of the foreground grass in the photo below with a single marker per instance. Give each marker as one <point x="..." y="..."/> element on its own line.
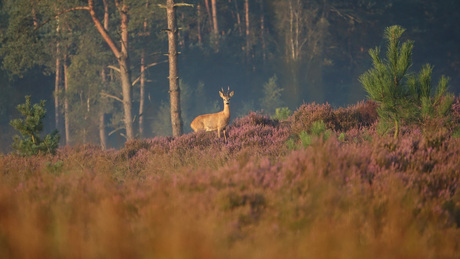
<point x="354" y="195"/>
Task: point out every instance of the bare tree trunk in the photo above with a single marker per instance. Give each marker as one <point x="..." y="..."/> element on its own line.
<point x="208" y="10"/>
<point x="57" y="79"/>
<point x="57" y="83"/>
<point x="66" y="103"/>
<point x="246" y="12"/>
<point x="238" y="18"/>
<point x="102" y="133"/>
<point x="142" y="95"/>
<point x="262" y="30"/>
<point x="198" y="14"/>
<point x="174" y="93"/>
<point x="123" y="60"/>
<point x="214" y="18"/>
<point x="142" y="83"/>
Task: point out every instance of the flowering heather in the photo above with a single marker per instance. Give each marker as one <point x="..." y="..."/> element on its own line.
<point x="360" y="115"/>
<point x="362" y="195"/>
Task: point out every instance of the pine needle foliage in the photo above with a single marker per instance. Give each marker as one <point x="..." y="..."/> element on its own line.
<point x="30" y="128"/>
<point x="403" y="97"/>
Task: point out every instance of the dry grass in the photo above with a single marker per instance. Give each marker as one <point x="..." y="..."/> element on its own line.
<point x="364" y="196"/>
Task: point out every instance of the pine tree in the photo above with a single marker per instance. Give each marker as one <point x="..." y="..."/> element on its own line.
<point x="385" y="83"/>
<point x="30" y="127"/>
<point x="271" y="98"/>
<point x="402" y="97"/>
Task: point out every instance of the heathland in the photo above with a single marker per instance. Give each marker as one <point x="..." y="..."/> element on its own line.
<point x="323" y="183"/>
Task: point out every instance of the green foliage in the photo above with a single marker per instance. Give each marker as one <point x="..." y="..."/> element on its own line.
<point x="271" y="95"/>
<point x="403" y="98"/>
<point x="282" y="113"/>
<point x="317" y="131"/>
<point x="30" y="127"/>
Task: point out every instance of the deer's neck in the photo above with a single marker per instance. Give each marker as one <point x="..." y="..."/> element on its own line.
<point x="226" y="110"/>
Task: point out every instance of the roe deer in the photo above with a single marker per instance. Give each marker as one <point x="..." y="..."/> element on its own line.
<point x="215" y="121"/>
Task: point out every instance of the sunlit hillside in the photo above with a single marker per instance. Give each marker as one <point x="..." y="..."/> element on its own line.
<point x="324" y="183"/>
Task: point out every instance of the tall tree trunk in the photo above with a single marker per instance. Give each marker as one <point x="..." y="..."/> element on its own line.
<point x="66" y="103"/>
<point x="142" y="95"/>
<point x="125" y="72"/>
<point x="57" y="84"/>
<point x="123" y="60"/>
<point x="262" y="30"/>
<point x="142" y="83"/>
<point x="57" y="79"/>
<point x="174" y="93"/>
<point x="102" y="130"/>
<point x="246" y="12"/>
<point x="238" y="18"/>
<point x="208" y="10"/>
<point x="198" y="14"/>
<point x="215" y="28"/>
<point x="102" y="133"/>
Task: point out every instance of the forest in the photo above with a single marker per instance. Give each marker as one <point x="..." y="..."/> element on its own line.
<point x="271" y="53"/>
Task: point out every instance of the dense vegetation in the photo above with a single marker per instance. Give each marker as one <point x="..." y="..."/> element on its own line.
<point x="315" y="49"/>
<point x="347" y="192"/>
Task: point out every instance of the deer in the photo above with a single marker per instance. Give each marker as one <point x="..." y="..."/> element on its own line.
<point x="215" y="121"/>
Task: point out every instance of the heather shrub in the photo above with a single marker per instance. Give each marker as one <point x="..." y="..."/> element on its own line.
<point x="257" y="132"/>
<point x="361" y="115"/>
<point x="303" y="118"/>
<point x="362" y="195"/>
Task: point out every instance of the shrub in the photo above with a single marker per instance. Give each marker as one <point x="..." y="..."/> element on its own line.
<point x="30" y="143"/>
<point x="307" y="114"/>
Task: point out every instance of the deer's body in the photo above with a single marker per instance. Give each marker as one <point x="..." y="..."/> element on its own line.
<point x="215" y="121"/>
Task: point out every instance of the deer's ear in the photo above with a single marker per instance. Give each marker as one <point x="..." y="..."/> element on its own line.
<point x="221" y="94"/>
<point x="230" y="94"/>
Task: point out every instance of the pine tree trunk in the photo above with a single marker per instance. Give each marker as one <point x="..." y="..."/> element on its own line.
<point x="142" y="95"/>
<point x="57" y="79"/>
<point x="102" y="130"/>
<point x="262" y="30"/>
<point x="174" y="93"/>
<point x="214" y="18"/>
<point x="142" y="82"/>
<point x="123" y="60"/>
<point x="238" y="18"/>
<point x="102" y="133"/>
<point x="198" y="14"/>
<point x="208" y="10"/>
<point x="57" y="83"/>
<point x="125" y="74"/>
<point x="246" y="12"/>
<point x="66" y="103"/>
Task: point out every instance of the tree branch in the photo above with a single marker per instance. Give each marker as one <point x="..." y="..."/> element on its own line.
<point x="61" y="13"/>
<point x="102" y="31"/>
<point x="111" y="96"/>
<point x="146" y="67"/>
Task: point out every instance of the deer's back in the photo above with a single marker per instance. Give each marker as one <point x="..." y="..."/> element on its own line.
<point x="210" y="122"/>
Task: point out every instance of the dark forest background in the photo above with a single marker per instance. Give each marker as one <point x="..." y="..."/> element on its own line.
<point x="271" y="53"/>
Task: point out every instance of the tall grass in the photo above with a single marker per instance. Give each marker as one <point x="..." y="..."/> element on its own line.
<point x="361" y="196"/>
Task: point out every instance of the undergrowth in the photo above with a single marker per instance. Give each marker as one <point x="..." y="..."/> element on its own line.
<point x="349" y="193"/>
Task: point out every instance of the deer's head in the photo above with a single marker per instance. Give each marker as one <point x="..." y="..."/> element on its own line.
<point x="226" y="96"/>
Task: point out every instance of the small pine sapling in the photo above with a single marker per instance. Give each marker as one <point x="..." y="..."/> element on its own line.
<point x="30" y="127"/>
<point x="403" y="97"/>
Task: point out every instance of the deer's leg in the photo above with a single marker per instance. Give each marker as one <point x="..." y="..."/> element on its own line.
<point x="218" y="133"/>
<point x="225" y="135"/>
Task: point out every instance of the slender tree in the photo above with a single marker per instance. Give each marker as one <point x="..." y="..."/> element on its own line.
<point x="176" y="120"/>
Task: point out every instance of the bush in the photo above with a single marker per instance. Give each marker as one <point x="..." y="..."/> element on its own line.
<point x="30" y="128"/>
